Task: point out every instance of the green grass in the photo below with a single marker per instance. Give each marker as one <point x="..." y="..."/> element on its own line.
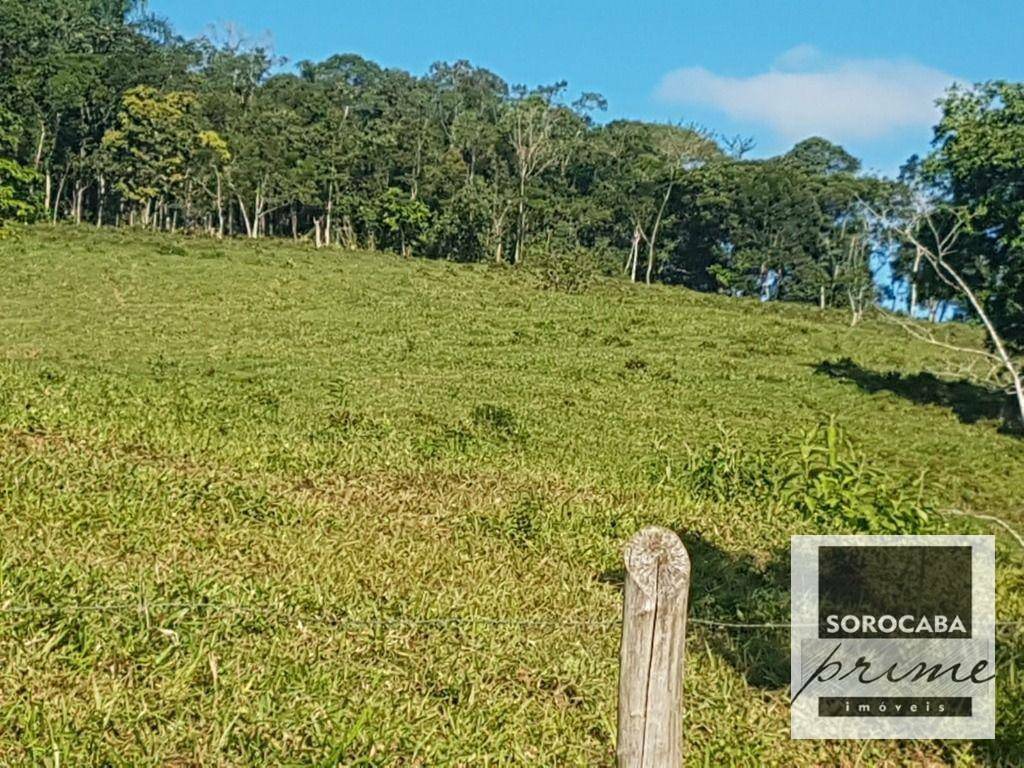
<point x="245" y="488"/>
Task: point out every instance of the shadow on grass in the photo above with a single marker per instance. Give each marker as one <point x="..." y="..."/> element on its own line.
<point x="740" y="589"/>
<point x="971" y="402"/>
<point x="737" y="590"/>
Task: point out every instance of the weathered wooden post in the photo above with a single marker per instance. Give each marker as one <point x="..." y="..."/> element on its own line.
<point x="652" y="654"/>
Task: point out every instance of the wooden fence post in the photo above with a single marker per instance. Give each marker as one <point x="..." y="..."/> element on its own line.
<point x="652" y="654"/>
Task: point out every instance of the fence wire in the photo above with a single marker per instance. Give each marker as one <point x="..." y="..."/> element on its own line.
<point x="342" y="622"/>
<point x="144" y="608"/>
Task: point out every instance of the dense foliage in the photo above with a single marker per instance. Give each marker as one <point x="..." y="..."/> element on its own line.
<point x="121" y="122"/>
<point x="107" y="116"/>
<point x="977" y="170"/>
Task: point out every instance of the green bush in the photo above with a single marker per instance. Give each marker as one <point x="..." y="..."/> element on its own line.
<point x="834" y="486"/>
<point x="725" y="472"/>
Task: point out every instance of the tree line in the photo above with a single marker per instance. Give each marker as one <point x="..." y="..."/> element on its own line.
<point x="107" y="117"/>
<point x="112" y="119"/>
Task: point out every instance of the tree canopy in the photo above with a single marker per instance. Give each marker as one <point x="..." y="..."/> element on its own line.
<point x="109" y="117"/>
<point x="977" y="166"/>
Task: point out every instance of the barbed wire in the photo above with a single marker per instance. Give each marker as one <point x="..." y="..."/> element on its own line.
<point x="342" y="622"/>
<point x="143" y="607"/>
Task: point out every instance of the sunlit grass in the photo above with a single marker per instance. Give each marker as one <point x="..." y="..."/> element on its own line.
<point x="236" y="478"/>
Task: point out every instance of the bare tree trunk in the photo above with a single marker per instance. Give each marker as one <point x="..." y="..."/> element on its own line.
<point x="257" y="213"/>
<point x="101" y="188"/>
<point x="330" y="205"/>
<point x="56" y="197"/>
<point x="856" y="305"/>
<point x="912" y="299"/>
<point x="220" y="205"/>
<point x="79" y="193"/>
<point x="39" y="145"/>
<point x="520" y="221"/>
<point x="634" y="252"/>
<point x="498" y="235"/>
<point x="245" y="217"/>
<point x="654" y="231"/>
<point x="348" y="234"/>
<point x="186" y="213"/>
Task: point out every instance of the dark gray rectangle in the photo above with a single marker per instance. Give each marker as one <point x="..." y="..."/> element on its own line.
<point x="894" y="591"/>
<point x="894" y="706"/>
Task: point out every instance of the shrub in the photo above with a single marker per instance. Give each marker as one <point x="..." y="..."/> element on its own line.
<point x="726" y="472"/>
<point x="834" y="486"/>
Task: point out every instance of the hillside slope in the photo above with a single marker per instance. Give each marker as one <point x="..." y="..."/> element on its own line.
<point x="262" y="504"/>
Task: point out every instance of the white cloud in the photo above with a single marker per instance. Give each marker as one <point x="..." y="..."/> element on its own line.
<point x="799" y="57"/>
<point x="804" y="93"/>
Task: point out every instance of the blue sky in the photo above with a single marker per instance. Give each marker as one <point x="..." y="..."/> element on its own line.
<point x="864" y="74"/>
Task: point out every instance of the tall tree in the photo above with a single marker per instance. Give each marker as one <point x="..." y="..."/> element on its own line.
<point x="153" y="151"/>
<point x="978" y="166"/>
<point x="16" y="199"/>
<point x="531" y="130"/>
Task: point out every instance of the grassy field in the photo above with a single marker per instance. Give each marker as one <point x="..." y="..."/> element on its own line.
<point x="264" y="505"/>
